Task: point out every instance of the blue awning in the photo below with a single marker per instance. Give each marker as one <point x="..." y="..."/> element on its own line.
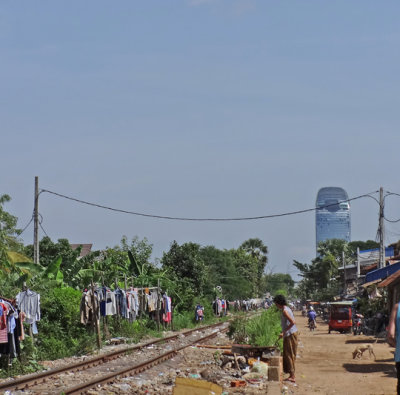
<point x="380" y="274"/>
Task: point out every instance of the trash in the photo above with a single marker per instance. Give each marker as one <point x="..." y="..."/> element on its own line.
<point x="185" y="386"/>
<point x="260" y="367"/>
<point x="238" y="383"/>
<point x="194" y="376"/>
<point x="253" y="375"/>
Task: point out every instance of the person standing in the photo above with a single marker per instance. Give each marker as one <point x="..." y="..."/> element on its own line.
<point x="393" y="338"/>
<point x="289" y="335"/>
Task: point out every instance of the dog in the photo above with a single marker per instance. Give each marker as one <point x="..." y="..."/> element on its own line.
<point x="359" y="351"/>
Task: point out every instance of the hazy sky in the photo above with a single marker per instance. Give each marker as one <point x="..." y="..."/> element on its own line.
<point x="199" y="108"/>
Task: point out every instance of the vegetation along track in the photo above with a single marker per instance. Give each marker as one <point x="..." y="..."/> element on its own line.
<point x="106" y="368"/>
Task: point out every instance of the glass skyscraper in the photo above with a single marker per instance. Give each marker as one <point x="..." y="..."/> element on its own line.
<point x="332" y="216"/>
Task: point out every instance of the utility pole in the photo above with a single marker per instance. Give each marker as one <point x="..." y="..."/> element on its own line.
<point x="344" y="273"/>
<point x="36" y="223"/>
<point x="381" y="230"/>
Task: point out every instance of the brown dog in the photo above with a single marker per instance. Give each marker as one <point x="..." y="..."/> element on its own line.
<point x="359" y="351"/>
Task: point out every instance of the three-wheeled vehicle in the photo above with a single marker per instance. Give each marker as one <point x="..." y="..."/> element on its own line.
<point x="340" y="316"/>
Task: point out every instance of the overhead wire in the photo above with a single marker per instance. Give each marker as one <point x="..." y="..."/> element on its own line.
<point x="26" y="226"/>
<point x="387" y="219"/>
<point x="40" y="224"/>
<point x="202" y="219"/>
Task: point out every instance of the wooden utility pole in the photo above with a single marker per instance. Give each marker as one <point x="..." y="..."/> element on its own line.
<point x="36" y="223"/>
<point x="381" y="230"/>
<point x="344" y="273"/>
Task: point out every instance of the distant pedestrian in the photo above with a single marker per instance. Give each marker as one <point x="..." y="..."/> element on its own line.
<point x="393" y="337"/>
<point x="289" y="334"/>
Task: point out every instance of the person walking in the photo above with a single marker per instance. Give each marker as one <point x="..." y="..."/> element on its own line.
<point x="393" y="338"/>
<point x="289" y="335"/>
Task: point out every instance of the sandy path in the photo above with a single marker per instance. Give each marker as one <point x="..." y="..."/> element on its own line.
<point x="325" y="364"/>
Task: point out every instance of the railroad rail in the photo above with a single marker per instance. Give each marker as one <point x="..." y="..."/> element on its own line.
<point x="25" y="382"/>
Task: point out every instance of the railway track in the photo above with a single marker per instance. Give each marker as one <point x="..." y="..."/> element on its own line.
<point x="110" y="367"/>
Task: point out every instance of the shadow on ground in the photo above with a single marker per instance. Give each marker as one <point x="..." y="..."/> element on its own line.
<point x="360" y="341"/>
<point x="388" y="369"/>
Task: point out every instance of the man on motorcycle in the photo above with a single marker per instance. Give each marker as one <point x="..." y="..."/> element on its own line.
<point x="312" y="315"/>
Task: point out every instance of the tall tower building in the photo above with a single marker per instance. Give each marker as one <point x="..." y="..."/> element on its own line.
<point x="332" y="216"/>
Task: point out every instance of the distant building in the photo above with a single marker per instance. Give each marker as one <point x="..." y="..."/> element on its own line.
<point x="332" y="216"/>
<point x="86" y="249"/>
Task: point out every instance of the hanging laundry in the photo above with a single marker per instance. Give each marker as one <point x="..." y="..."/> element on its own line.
<point x="29" y="302"/>
<point x="121" y="303"/>
<point x="89" y="306"/>
<point x="167" y="307"/>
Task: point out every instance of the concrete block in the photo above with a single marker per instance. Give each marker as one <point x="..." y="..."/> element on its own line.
<point x="274" y="373"/>
<point x="275" y="361"/>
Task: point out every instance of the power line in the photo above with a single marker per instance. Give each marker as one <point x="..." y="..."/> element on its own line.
<point x="23" y="230"/>
<point x="392" y="193"/>
<point x="387" y="219"/>
<point x="391" y="220"/>
<point x="40" y="224"/>
<point x="203" y="219"/>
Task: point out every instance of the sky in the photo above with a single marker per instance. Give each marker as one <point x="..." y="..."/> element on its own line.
<point x="200" y="109"/>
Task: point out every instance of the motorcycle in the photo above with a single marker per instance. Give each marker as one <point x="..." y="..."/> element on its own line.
<point x="311" y="325"/>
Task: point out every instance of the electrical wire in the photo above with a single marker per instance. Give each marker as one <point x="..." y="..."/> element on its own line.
<point x="23" y="230"/>
<point x="387" y="219"/>
<point x="43" y="229"/>
<point x="202" y="219"/>
<point x="391" y="220"/>
<point x="40" y="224"/>
<point x="392" y="193"/>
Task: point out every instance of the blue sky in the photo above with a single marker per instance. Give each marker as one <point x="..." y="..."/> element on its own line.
<point x="199" y="108"/>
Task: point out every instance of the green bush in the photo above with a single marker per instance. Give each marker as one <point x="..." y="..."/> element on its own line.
<point x="264" y="330"/>
<point x="60" y="332"/>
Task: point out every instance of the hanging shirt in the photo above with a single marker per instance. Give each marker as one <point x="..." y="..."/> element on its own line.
<point x="3" y="323"/>
<point x="111" y="306"/>
<point x="29" y="302"/>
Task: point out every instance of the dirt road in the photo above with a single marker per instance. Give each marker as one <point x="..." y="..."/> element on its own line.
<point x="325" y="364"/>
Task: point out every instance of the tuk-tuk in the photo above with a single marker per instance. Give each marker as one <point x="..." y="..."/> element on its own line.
<point x="340" y="316"/>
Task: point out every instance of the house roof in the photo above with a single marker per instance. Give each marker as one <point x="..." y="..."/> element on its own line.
<point x="86" y="249"/>
<point x="389" y="280"/>
<point x="382" y="273"/>
<point x="365" y="285"/>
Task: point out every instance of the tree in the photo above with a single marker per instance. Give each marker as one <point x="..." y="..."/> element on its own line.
<point x="276" y="282"/>
<point x="8" y="231"/>
<point x="320" y="277"/>
<point x="50" y="252"/>
<point x="185" y="265"/>
<point x="259" y="251"/>
<point x="224" y="270"/>
<point x="362" y="245"/>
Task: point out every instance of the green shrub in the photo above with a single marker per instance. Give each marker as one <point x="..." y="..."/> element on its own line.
<point x="262" y="330"/>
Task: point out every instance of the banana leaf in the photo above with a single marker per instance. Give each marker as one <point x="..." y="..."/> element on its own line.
<point x="16" y="257"/>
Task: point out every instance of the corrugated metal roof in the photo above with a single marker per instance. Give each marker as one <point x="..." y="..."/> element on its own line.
<point x="382" y="273"/>
<point x="365" y="285"/>
<point x="390" y="279"/>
